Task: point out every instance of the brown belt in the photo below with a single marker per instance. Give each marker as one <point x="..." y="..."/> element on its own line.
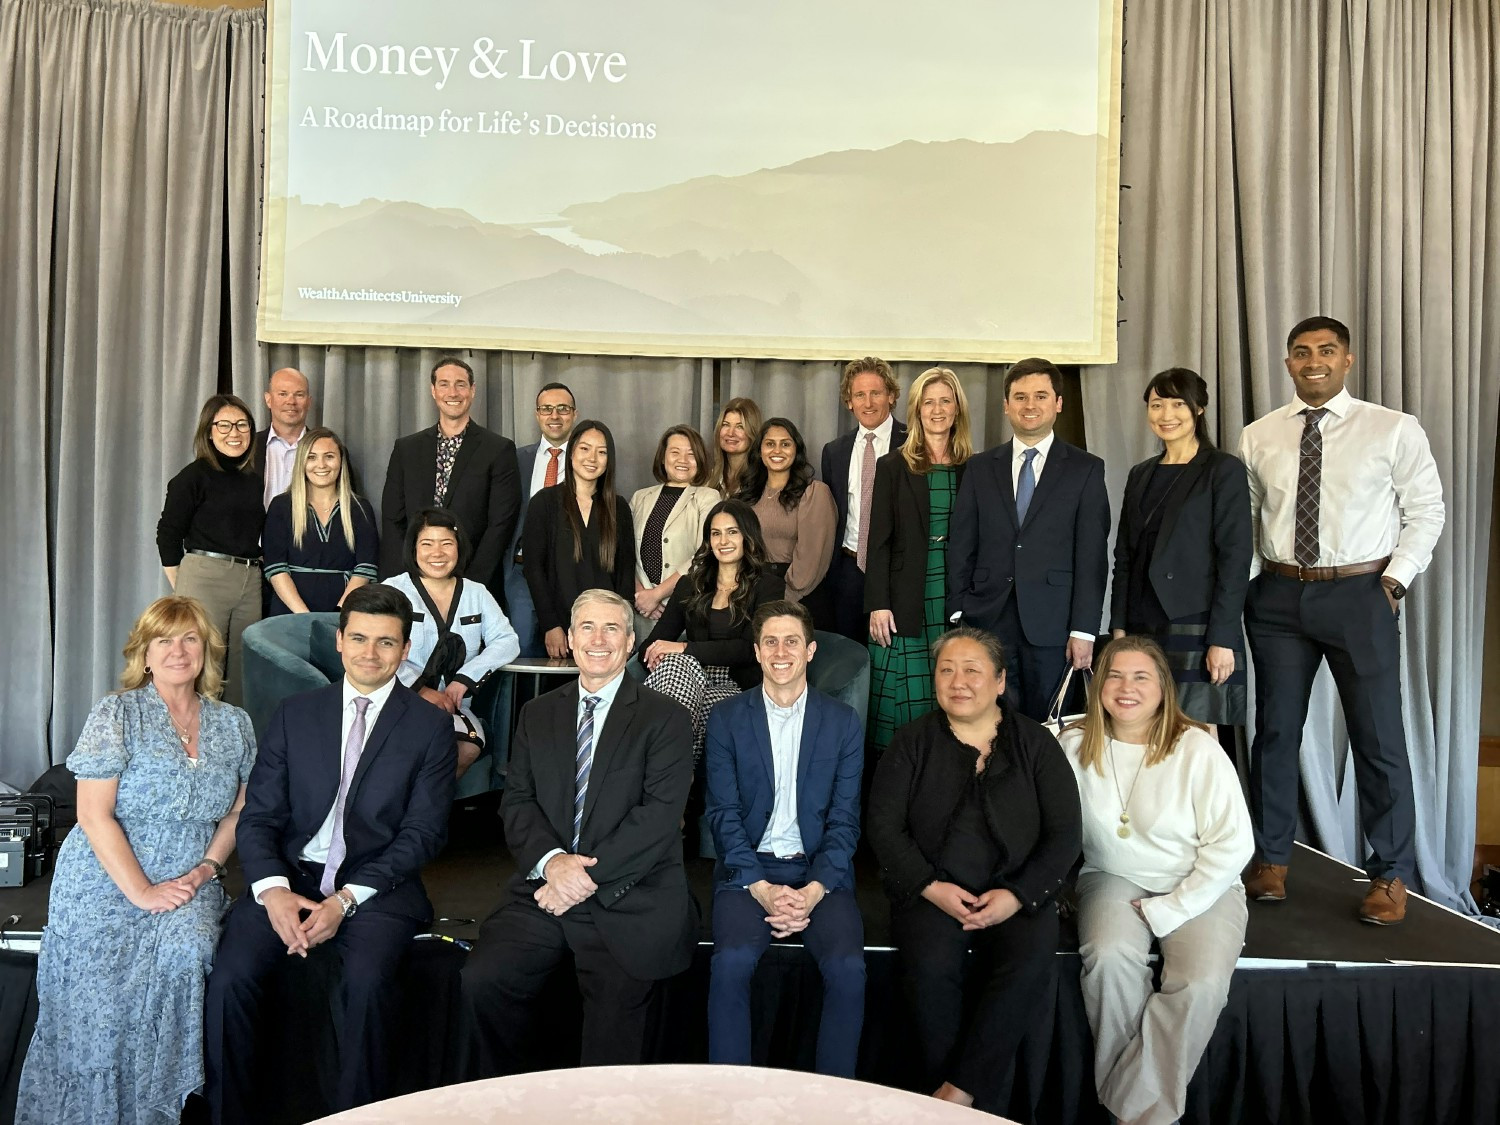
<point x="851" y="554"/>
<point x="1326" y="573"/>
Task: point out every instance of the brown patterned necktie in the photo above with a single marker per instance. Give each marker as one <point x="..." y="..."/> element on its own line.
<point x="1309" y="488"/>
<point x="866" y="494"/>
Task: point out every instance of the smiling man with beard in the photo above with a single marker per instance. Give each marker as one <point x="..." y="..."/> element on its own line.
<point x="599" y="776"/>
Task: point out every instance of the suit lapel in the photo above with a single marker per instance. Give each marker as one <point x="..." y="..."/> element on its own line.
<point x="761" y="728"/>
<point x="326" y="754"/>
<point x="607" y="741"/>
<point x="1172" y="505"/>
<point x="1052" y="471"/>
<point x="812" y="717"/>
<point x="375" y="741"/>
<point x="466" y="454"/>
<point x="1003" y="455"/>
<point x="916" y="487"/>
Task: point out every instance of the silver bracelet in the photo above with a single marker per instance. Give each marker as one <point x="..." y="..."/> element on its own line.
<point x="347" y="902"/>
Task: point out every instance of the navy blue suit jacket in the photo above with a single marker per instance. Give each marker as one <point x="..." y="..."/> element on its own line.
<point x="1055" y="564"/>
<point x="742" y="787"/>
<point x="396" y="812"/>
<point x="525" y="462"/>
<point x="836" y="455"/>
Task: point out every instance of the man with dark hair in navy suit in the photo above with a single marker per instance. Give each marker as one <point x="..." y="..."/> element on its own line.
<point x="784" y="765"/>
<point x="347" y="801"/>
<point x="1028" y="545"/>
<point x="543" y="463"/>
<point x="870" y="392"/>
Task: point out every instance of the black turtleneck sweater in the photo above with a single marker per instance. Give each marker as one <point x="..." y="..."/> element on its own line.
<point x="209" y="509"/>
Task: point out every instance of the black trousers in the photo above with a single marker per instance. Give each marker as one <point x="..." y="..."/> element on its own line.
<point x="1293" y="627"/>
<point x="838" y="602"/>
<point x="371" y="944"/>
<point x="1011" y="978"/>
<point x="1033" y="671"/>
<point x="518" y="948"/>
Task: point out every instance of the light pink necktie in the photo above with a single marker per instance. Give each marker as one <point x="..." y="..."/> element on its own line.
<point x="353" y="748"/>
<point x="866" y="494"/>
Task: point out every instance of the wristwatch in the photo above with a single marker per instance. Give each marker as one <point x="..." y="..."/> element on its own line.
<point x="1395" y="589"/>
<point x="215" y="864"/>
<point x="347" y="902"/>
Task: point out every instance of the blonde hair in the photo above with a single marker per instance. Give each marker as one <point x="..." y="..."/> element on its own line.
<point x="172" y="616"/>
<point x="298" y="487"/>
<point x="1170" y="725"/>
<point x="750" y="415"/>
<point x="960" y="445"/>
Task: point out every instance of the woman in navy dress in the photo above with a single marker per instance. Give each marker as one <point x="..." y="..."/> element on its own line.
<point x="136" y="900"/>
<point x="320" y="539"/>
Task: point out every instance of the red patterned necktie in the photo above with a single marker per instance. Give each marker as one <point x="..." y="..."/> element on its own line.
<point x="551" y="478"/>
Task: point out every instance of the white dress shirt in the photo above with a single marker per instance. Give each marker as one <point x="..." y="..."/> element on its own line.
<point x="280" y="456"/>
<point x="1381" y="492"/>
<point x="783" y="835"/>
<point x="882" y="434"/>
<point x="539" y="466"/>
<point x="316" y="851"/>
<point x="606" y="696"/>
<point x="1189" y="828"/>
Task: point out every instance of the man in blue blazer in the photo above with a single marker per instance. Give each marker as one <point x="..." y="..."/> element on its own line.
<point x="347" y="801"/>
<point x="870" y="392"/>
<point x="783" y="765"/>
<point x="1028" y="542"/>
<point x="543" y="462"/>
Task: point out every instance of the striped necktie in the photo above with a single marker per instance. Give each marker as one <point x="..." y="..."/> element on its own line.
<point x="584" y="763"/>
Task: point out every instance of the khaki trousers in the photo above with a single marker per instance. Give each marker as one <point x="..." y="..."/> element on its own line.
<point x="230" y="593"/>
<point x="1147" y="1043"/>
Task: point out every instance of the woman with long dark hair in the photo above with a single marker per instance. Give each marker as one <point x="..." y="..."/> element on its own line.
<point x="579" y="535"/>
<point x="797" y="513"/>
<point x="711" y="611"/>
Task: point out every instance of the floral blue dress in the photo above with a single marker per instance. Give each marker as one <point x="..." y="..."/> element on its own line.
<point x="119" y="1030"/>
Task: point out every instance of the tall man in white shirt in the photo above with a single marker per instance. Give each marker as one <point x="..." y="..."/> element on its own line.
<point x="869" y="391"/>
<point x="543" y="463"/>
<point x="333" y="838"/>
<point x="1347" y="506"/>
<point x="288" y="399"/>
<point x="784" y="764"/>
<point x="1028" y="542"/>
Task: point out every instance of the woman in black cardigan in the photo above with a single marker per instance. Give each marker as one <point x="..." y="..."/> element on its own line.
<point x="1182" y="554"/>
<point x="974" y="818"/>
<point x="579" y="536"/>
<point x="712" y="610"/>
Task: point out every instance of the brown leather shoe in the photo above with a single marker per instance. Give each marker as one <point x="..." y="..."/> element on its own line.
<point x="1385" y="905"/>
<point x="1265" y="882"/>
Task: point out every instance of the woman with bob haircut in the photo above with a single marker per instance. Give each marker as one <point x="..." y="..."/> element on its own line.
<point x="1165" y="836"/>
<point x="579" y="536"/>
<point x="796" y="511"/>
<point x="668" y="520"/>
<point x="320" y="539"/>
<point x="459" y="633"/>
<point x="136" y="900"/>
<point x="208" y="535"/>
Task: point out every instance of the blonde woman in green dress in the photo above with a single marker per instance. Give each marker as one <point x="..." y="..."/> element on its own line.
<point x="906" y="571"/>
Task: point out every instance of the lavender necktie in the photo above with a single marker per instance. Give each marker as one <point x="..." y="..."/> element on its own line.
<point x="353" y="748"/>
<point x="866" y="494"/>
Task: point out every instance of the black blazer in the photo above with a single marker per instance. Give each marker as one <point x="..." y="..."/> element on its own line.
<point x="1030" y="806"/>
<point x="554" y="578"/>
<point x="896" y="566"/>
<point x="737" y="653"/>
<point x="1055" y="564"/>
<point x="1201" y="562"/>
<point x="484" y="492"/>
<point x="836" y="455"/>
<point x="396" y="812"/>
<point x="638" y="786"/>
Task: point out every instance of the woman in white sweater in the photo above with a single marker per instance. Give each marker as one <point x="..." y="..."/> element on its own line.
<point x="1165" y="836"/>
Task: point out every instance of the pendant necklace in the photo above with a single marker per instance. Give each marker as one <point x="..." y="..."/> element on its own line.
<point x="1123" y="831"/>
<point x="184" y="735"/>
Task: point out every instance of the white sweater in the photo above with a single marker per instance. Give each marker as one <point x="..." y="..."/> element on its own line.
<point x="1189" y="827"/>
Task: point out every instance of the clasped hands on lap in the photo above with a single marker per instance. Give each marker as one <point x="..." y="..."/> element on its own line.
<point x="568" y="883"/>
<point x="171" y="894"/>
<point x="974" y="912"/>
<point x="787" y="908"/>
<point x="285" y="909"/>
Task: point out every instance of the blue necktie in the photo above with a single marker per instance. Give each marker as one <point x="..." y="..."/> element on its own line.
<point x="583" y="764"/>
<point x="1026" y="485"/>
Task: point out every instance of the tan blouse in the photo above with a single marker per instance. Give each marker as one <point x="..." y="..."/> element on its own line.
<point x="802" y="537"/>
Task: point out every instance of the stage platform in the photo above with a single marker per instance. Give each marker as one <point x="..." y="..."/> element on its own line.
<point x="1329" y="1019"/>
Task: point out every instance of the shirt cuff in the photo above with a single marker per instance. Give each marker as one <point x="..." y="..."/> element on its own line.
<point x="1401" y="570"/>
<point x="261" y="886"/>
<point x="541" y="864"/>
<point x="361" y="895"/>
<point x="1090" y="637"/>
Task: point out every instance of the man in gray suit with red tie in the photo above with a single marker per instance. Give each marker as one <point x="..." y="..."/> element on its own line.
<point x="347" y="802"/>
<point x="1028" y="542"/>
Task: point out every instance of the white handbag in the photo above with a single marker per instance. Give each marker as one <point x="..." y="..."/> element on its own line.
<point x="1056" y="721"/>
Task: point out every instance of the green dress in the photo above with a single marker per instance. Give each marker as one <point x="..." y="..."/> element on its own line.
<point x="901" y="675"/>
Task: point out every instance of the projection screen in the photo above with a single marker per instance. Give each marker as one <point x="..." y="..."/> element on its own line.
<point x="778" y="179"/>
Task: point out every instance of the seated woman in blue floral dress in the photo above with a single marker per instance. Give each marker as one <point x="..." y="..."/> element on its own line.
<point x="134" y="916"/>
<point x="320" y="540"/>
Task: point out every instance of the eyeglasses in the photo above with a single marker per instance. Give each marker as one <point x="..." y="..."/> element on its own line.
<point x="560" y="411"/>
<point x="224" y="426"/>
